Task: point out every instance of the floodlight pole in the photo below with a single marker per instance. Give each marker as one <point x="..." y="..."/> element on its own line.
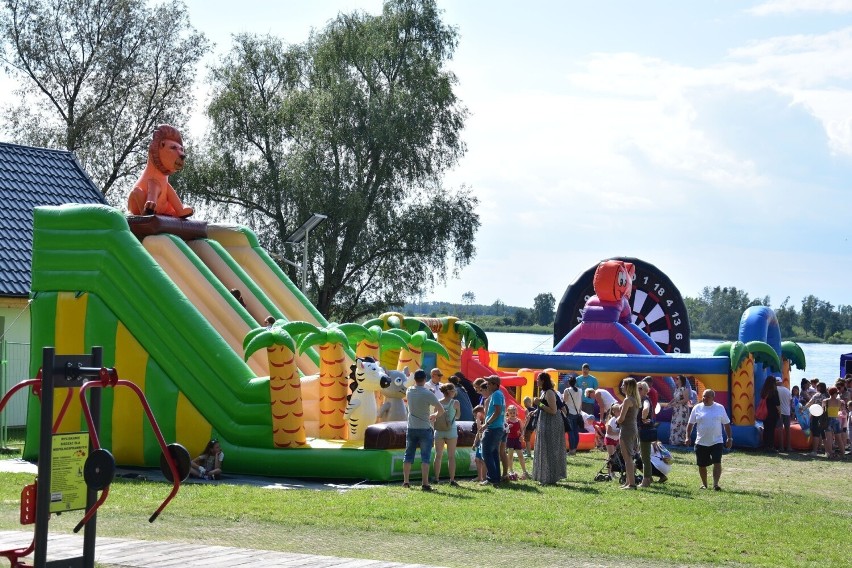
<point x="300" y="235"/>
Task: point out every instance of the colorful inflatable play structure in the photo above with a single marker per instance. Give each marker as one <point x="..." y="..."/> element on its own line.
<point x="156" y="293"/>
<point x="225" y="346"/>
<point x="636" y="326"/>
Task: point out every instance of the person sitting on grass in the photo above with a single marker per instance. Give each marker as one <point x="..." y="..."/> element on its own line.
<point x="209" y="464"/>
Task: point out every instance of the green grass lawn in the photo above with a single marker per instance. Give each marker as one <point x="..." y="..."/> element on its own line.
<point x="774" y="511"/>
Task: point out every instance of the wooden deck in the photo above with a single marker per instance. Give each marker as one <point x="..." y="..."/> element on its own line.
<point x="126" y="553"/>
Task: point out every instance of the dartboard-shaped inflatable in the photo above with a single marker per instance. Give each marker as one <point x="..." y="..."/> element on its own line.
<point x="656" y="304"/>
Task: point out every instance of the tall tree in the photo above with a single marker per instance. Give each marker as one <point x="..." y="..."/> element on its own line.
<point x="469" y="298"/>
<point x="543" y="309"/>
<point x="724" y="309"/>
<point x="808" y="313"/>
<point x="97" y="77"/>
<point x="359" y="123"/>
<point x="787" y="317"/>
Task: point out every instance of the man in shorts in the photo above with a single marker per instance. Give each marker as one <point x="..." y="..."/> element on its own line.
<point x="420" y="433"/>
<point x="708" y="418"/>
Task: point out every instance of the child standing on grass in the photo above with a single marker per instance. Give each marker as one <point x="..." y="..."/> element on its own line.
<point x="613" y="434"/>
<point x="479" y="418"/>
<point x="531" y="407"/>
<point x="513" y="442"/>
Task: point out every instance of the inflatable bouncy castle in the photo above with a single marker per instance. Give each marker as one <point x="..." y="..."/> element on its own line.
<point x="156" y="292"/>
<point x="633" y="323"/>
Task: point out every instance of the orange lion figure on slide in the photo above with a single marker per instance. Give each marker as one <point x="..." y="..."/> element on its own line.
<point x="153" y="194"/>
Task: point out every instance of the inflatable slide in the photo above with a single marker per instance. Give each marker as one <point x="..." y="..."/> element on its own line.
<point x="162" y="309"/>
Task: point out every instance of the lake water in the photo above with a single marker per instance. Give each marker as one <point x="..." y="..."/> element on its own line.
<point x="822" y="360"/>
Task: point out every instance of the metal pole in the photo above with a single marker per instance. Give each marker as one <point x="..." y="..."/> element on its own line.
<point x="44" y="454"/>
<point x="305" y="264"/>
<point x="3" y="388"/>
<point x="90" y="530"/>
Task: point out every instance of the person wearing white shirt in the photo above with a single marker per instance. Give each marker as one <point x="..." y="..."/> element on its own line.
<point x="434" y="383"/>
<point x="573" y="399"/>
<point x="604" y="399"/>
<point x="707" y="419"/>
<point x="786" y="399"/>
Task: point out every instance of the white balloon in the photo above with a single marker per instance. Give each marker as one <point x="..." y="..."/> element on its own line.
<point x="815" y="410"/>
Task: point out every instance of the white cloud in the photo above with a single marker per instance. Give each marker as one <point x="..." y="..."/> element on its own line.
<point x="833" y="108"/>
<point x="625" y="157"/>
<point x="787" y="7"/>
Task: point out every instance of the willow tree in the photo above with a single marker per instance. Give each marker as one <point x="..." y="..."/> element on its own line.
<point x="96" y="78"/>
<point x="360" y="123"/>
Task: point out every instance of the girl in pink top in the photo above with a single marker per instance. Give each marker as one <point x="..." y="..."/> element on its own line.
<point x="513" y="442"/>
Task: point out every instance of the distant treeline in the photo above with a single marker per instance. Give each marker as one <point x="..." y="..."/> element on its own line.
<point x="495" y="316"/>
<point x="715" y="314"/>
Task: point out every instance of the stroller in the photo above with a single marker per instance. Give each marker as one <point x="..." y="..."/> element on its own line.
<point x="615" y="462"/>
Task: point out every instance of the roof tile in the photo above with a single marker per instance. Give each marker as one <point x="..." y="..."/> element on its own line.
<point x="31" y="177"/>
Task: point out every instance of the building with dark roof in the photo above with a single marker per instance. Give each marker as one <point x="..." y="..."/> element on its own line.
<point x="29" y="177"/>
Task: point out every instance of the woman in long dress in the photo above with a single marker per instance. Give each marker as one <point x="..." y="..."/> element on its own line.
<point x="629" y="441"/>
<point x="549" y="461"/>
<point x="680" y="411"/>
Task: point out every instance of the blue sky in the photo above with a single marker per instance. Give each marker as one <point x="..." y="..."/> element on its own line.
<point x="712" y="139"/>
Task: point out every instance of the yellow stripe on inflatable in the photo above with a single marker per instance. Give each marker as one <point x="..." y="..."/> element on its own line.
<point x="191" y="429"/>
<point x="70" y="340"/>
<point x="131" y="362"/>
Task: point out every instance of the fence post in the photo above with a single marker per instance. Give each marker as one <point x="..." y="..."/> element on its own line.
<point x="4" y="387"/>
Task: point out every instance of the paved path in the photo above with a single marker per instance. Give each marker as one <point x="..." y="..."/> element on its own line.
<point x="126" y="553"/>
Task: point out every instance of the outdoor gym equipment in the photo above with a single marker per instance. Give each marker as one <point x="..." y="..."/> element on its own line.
<point x="81" y="465"/>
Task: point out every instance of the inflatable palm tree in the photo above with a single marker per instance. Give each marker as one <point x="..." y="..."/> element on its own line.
<point x="333" y="379"/>
<point x="371" y="341"/>
<point x="743" y="357"/>
<point x="395" y="320"/>
<point x="285" y="387"/>
<point x="415" y="345"/>
<point x="451" y="332"/>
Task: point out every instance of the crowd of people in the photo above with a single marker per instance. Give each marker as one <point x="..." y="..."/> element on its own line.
<point x="626" y="430"/>
<point x="826" y="409"/>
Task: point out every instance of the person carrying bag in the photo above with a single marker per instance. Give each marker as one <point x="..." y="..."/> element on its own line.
<point x="576" y="419"/>
<point x="647" y="432"/>
<point x="761" y="412"/>
<point x="563" y="413"/>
